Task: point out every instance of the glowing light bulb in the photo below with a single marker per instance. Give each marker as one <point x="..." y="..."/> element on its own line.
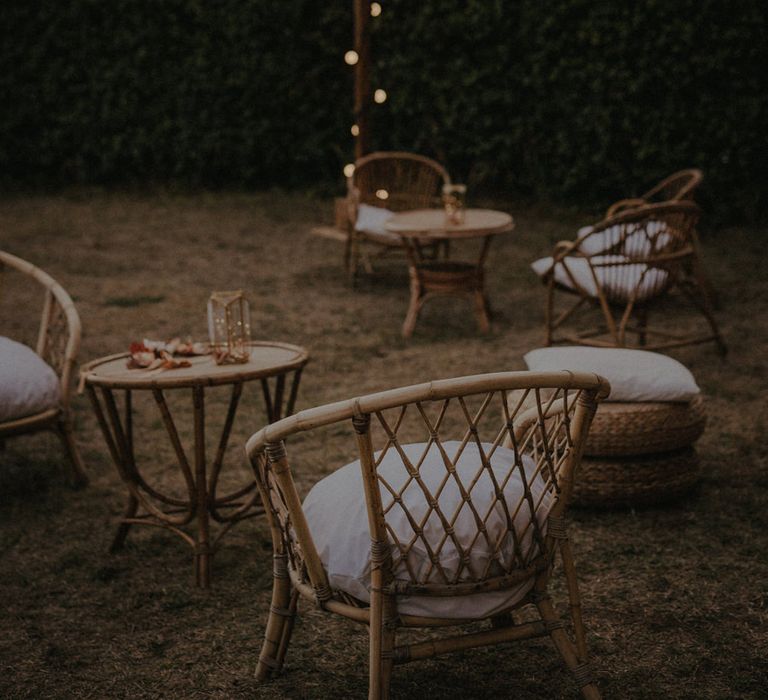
<point x="382" y="194"/>
<point x="351" y="57"/>
<point x="380" y="96"/>
<point x="375" y="9"/>
<point x="349" y="169"/>
<point x="355" y="130"/>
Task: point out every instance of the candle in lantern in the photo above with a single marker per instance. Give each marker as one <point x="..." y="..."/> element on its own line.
<point x="229" y="327"/>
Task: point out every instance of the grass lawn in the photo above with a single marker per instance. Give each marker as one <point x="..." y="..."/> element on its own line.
<point x="675" y="597"/>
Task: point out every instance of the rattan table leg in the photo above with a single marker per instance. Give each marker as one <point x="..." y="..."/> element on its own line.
<point x="202" y="548"/>
<point x="120" y="445"/>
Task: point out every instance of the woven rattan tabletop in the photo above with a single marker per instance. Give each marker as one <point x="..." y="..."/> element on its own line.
<point x="432" y="224"/>
<point x="267" y="359"/>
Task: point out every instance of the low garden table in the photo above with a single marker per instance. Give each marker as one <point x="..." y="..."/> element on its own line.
<point x="272" y="364"/>
<point x="435" y="277"/>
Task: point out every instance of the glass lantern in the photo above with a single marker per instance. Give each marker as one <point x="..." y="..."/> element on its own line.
<point x="229" y="327"/>
<point x="454" y="198"/>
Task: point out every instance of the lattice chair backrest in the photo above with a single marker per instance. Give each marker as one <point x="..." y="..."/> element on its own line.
<point x="677" y="187"/>
<point x="397" y="180"/>
<point x="58" y="337"/>
<point x="638" y="253"/>
<point x="462" y="478"/>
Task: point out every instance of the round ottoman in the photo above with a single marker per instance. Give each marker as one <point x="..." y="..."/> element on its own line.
<point x="640" y="446"/>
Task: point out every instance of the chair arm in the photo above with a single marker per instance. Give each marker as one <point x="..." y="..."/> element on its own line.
<point x="623" y="205"/>
<point x="563" y="249"/>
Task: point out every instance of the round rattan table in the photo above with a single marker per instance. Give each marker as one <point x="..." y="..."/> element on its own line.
<point x="272" y="364"/>
<point x="446" y="277"/>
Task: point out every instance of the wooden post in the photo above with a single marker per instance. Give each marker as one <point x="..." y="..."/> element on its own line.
<point x="362" y="76"/>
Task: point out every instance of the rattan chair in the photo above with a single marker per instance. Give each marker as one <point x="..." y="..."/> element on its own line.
<point x="448" y="533"/>
<point x="610" y="281"/>
<point x="392" y="180"/>
<point x="58" y="342"/>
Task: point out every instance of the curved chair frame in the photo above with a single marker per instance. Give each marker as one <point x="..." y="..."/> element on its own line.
<point x="624" y="314"/>
<point x="678" y="187"/>
<point x="58" y="342"/>
<point x="543" y="415"/>
<point x="411" y="181"/>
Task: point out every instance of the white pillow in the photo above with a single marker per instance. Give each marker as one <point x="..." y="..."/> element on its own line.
<point x="593" y="243"/>
<point x="27" y="384"/>
<point x="637" y="244"/>
<point x="635" y="375"/>
<point x="336" y="512"/>
<point x="653" y="238"/>
<point x="618" y="283"/>
<point x="372" y="220"/>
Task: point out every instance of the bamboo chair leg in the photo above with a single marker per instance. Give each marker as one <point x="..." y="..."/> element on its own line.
<point x="381" y="662"/>
<point x="709" y="291"/>
<point x="567" y="650"/>
<point x="702" y="304"/>
<point x="574" y="599"/>
<point x="77" y="475"/>
<point x="481" y="311"/>
<point x="387" y="663"/>
<point x="701" y="278"/>
<point x="287" y="629"/>
<point x="722" y="348"/>
<point x="275" y="636"/>
<point x="122" y="530"/>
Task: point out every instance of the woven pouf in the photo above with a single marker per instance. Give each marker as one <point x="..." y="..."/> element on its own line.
<point x="636" y="480"/>
<point x="646" y="427"/>
<point x="640" y="449"/>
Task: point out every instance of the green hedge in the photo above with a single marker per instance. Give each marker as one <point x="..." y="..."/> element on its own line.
<point x="574" y="101"/>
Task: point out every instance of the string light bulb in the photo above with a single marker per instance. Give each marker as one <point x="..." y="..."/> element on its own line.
<point x="382" y="194"/>
<point x="380" y="96"/>
<point x="375" y="9"/>
<point x="349" y="169"/>
<point x="351" y="58"/>
<point x="355" y="130"/>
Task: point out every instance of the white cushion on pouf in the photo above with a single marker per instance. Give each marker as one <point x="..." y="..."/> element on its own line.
<point x="634" y="375"/>
<point x="338" y="519"/>
<point x="372" y="220"/>
<point x="635" y="278"/>
<point x="27" y="384"/>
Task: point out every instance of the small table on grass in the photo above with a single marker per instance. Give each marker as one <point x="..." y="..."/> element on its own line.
<point x="446" y="277"/>
<point x="269" y="363"/>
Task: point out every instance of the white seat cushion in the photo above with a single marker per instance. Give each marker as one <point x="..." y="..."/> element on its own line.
<point x="336" y="512"/>
<point x="372" y="220"/>
<point x="635" y="375"/>
<point x="27" y="384"/>
<point x="618" y="282"/>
